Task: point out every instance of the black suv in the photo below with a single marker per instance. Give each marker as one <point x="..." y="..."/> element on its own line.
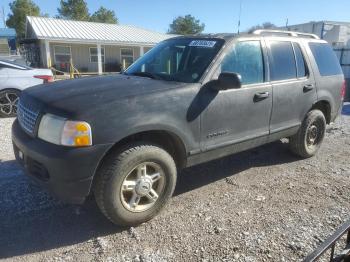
<point x="187" y="101"/>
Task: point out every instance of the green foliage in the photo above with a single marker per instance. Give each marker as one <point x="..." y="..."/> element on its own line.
<point x="266" y="25"/>
<point x="186" y="25"/>
<point x="78" y="10"/>
<point x="74" y="9"/>
<point x="104" y="15"/>
<point x="20" y="9"/>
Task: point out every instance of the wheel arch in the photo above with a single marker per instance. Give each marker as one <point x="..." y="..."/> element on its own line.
<point x="165" y="139"/>
<point x="11" y="89"/>
<point x="325" y="107"/>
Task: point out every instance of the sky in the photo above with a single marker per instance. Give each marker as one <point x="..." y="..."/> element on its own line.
<point x="218" y="15"/>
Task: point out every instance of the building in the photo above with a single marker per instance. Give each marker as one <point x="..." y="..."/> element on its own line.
<point x="7" y="41"/>
<point x="335" y="33"/>
<point x="92" y="47"/>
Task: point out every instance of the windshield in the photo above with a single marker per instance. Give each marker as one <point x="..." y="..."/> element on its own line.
<point x="181" y="60"/>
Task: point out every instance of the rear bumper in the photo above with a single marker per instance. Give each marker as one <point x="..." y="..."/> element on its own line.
<point x="66" y="172"/>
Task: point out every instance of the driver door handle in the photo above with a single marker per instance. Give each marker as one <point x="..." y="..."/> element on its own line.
<point x="261" y="96"/>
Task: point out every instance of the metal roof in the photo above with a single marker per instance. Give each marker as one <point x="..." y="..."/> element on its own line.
<point x="7" y="32"/>
<point x="78" y="31"/>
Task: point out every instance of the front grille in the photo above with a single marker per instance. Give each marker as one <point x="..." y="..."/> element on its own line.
<point x="27" y="116"/>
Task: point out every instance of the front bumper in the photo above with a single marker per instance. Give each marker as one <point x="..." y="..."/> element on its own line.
<point x="64" y="171"/>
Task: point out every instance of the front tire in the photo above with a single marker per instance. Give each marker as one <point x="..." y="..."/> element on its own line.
<point x="134" y="184"/>
<point x="310" y="136"/>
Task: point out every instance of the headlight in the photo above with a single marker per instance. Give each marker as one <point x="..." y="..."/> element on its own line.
<point x="60" y="131"/>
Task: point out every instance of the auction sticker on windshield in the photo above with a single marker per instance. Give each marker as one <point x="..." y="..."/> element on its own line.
<point x="203" y="43"/>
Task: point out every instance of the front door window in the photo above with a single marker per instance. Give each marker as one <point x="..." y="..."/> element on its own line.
<point x="246" y="59"/>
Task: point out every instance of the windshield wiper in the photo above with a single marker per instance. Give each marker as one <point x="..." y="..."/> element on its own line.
<point x="145" y="74"/>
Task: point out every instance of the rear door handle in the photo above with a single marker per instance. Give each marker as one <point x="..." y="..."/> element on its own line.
<point x="261" y="96"/>
<point x="308" y="88"/>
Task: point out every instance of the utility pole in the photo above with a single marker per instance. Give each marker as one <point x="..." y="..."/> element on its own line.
<point x="239" y="16"/>
<point x="3" y="16"/>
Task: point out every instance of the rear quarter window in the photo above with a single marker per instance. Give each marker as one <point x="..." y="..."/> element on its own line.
<point x="326" y="60"/>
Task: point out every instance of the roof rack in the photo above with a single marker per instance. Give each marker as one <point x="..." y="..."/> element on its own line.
<point x="289" y="33"/>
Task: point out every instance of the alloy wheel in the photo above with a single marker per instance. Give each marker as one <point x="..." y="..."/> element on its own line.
<point x="8" y="103"/>
<point x="142" y="187"/>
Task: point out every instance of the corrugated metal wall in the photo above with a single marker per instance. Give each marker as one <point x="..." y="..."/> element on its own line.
<point x="344" y="57"/>
<point x="338" y="35"/>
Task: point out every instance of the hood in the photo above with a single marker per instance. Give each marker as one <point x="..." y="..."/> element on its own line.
<point x="72" y="96"/>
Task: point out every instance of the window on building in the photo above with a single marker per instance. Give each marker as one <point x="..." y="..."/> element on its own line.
<point x="246" y="59"/>
<point x="62" y="54"/>
<point x="327" y="61"/>
<point x="94" y="54"/>
<point x="146" y="49"/>
<point x="301" y="65"/>
<point x="127" y="57"/>
<point x="282" y="61"/>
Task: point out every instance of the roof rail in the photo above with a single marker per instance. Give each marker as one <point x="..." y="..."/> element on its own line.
<point x="289" y="33"/>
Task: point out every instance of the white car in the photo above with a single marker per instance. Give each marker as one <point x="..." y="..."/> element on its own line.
<point x="13" y="79"/>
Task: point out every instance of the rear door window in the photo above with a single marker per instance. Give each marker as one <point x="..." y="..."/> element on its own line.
<point x="282" y="61"/>
<point x="327" y="61"/>
<point x="301" y="65"/>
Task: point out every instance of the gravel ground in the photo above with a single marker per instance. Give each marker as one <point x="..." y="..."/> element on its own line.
<point x="260" y="205"/>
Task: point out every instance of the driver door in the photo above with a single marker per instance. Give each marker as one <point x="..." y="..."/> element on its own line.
<point x="238" y="119"/>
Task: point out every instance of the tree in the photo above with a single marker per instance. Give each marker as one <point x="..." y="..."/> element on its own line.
<point x="20" y="9"/>
<point x="266" y="25"/>
<point x="74" y="9"/>
<point x="103" y="15"/>
<point x="186" y="25"/>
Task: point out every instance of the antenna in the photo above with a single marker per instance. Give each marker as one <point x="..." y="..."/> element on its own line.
<point x="239" y="16"/>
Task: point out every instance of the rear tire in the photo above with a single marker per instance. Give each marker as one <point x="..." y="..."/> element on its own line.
<point x="8" y="102"/>
<point x="135" y="183"/>
<point x="310" y="135"/>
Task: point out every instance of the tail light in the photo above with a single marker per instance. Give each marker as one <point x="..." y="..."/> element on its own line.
<point x="46" y="78"/>
<point x="343" y="90"/>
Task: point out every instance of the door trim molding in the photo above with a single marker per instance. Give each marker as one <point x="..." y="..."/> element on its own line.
<point x="232" y="142"/>
<point x="225" y="149"/>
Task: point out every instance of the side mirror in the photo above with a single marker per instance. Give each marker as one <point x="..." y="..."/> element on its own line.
<point x="229" y="80"/>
